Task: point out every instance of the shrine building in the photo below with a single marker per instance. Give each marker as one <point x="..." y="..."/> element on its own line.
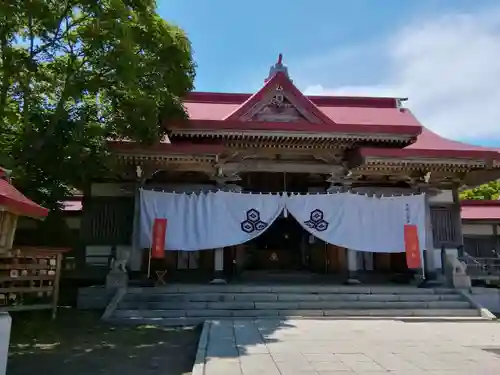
<point x="279" y="140"/>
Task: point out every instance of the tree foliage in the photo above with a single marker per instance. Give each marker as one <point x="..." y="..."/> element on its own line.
<point x="75" y="73"/>
<point x="489" y="191"/>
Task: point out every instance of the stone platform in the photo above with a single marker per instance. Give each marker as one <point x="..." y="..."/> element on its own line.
<point x="348" y="347"/>
<point x="193" y="304"/>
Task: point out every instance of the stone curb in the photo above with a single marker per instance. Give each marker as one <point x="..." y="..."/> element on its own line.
<point x="113" y="304"/>
<point x="483" y="312"/>
<point x="201" y="352"/>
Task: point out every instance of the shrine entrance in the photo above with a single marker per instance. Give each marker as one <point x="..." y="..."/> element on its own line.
<point x="283" y="246"/>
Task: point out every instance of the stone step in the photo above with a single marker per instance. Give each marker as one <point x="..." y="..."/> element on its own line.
<point x="283" y="305"/>
<point x="289" y="312"/>
<point x="294" y="289"/>
<point x="290" y="297"/>
<point x="166" y="322"/>
<point x="163" y="317"/>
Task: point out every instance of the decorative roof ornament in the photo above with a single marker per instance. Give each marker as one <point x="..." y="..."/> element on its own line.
<point x="278" y="67"/>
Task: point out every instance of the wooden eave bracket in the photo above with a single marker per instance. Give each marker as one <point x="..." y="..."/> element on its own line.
<point x="427" y="162"/>
<point x="167" y="157"/>
<point x="227" y="134"/>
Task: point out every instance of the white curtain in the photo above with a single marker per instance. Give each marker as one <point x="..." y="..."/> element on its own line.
<point x="360" y="222"/>
<point x="207" y="220"/>
<point x="219" y="219"/>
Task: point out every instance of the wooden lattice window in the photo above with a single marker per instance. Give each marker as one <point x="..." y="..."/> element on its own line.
<point x="108" y="220"/>
<point x="445" y="226"/>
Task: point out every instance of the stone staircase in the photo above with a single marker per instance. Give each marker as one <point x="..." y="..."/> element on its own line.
<point x="193" y="304"/>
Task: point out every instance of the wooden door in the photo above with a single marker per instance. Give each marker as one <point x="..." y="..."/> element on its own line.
<point x="317" y="257"/>
<point x="382" y="262"/>
<point x="398" y="262"/>
<point x="336" y="259"/>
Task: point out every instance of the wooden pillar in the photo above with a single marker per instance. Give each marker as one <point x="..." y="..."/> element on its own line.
<point x="8" y="224"/>
<point x="136" y="223"/>
<point x="218" y="267"/>
<point x="428" y="255"/>
<point x="368" y="261"/>
<point x="496" y="239"/>
<point x="342" y="258"/>
<point x="352" y="267"/>
<point x="457" y="222"/>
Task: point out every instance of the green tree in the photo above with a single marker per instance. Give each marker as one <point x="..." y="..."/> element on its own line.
<point x="76" y="73"/>
<point x="489" y="191"/>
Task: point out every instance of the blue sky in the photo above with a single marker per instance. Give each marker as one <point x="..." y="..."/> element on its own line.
<point x="436" y="52"/>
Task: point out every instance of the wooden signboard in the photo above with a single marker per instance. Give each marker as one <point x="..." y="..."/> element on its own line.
<point x="29" y="279"/>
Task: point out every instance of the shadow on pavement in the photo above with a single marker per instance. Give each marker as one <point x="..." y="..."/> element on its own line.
<point x="78" y="343"/>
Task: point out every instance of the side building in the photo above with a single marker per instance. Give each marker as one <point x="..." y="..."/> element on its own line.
<point x="481" y="228"/>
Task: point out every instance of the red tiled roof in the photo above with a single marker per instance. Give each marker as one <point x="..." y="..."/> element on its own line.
<point x="209" y="110"/>
<point x="13" y="200"/>
<point x="301" y="126"/>
<point x="370" y="116"/>
<point x="428" y="140"/>
<point x="339" y="110"/>
<point x="430" y="144"/>
<point x="480" y="210"/>
<point x="335" y="114"/>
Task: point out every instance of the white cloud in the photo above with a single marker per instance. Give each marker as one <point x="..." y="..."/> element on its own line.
<point x="448" y="67"/>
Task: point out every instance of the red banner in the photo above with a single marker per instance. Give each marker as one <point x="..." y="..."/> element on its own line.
<point x="412" y="247"/>
<point x="159" y="233"/>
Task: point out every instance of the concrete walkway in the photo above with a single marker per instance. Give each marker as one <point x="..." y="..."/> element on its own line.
<point x="348" y="347"/>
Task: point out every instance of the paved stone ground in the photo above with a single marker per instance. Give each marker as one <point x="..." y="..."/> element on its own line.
<point x="348" y="347"/>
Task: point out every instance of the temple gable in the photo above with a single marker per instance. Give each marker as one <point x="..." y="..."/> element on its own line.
<point x="278" y="106"/>
<point x="279" y="100"/>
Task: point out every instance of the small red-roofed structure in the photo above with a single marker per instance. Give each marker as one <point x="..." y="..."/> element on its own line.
<point x="12" y="205"/>
<point x="14" y="201"/>
<point x="25" y="271"/>
<point x="481" y="210"/>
